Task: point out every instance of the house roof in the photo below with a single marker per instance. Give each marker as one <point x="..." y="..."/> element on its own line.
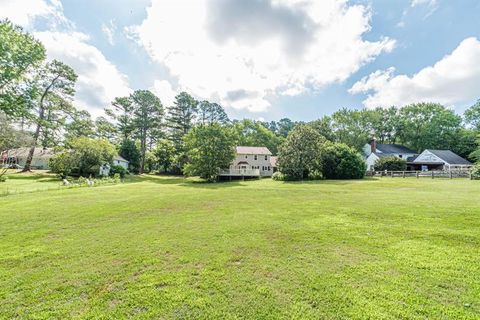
<point x="450" y="157"/>
<point x="23" y="153"/>
<point x="120" y="158"/>
<point x="273" y="161"/>
<point x="253" y="150"/>
<point x="393" y="148"/>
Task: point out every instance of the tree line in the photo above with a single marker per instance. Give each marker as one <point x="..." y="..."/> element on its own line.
<point x="191" y="136"/>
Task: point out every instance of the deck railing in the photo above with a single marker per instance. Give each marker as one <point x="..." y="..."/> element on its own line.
<point x="240" y="172"/>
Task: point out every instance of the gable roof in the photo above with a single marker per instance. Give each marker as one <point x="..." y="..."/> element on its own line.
<point x="253" y="150"/>
<point x="394" y="148"/>
<point x="450" y="157"/>
<point x="120" y="158"/>
<point x="23" y="153"/>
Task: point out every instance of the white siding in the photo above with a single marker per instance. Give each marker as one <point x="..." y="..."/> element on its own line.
<point x="260" y="161"/>
<point x="427" y="156"/>
<point x="372" y="158"/>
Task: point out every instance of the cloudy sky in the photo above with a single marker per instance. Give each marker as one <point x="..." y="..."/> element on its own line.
<point x="264" y="59"/>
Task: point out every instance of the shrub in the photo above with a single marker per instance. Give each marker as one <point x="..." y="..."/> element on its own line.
<point x="476" y="171"/>
<point x="299" y="156"/>
<point x="118" y="170"/>
<point x="3" y="178"/>
<point x="340" y="161"/>
<point x="278" y="176"/>
<point x="390" y="163"/>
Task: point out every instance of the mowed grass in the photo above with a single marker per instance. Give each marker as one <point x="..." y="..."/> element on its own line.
<point x="169" y="248"/>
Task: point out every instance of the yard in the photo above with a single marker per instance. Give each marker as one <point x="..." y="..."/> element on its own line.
<point x="166" y="247"/>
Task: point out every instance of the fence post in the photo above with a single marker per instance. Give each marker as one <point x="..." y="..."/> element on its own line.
<point x="391" y="174"/>
<point x="404" y="174"/>
<point x="451" y="175"/>
<point x="433" y="174"/>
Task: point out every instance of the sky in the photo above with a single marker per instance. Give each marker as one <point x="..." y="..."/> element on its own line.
<point x="264" y="59"/>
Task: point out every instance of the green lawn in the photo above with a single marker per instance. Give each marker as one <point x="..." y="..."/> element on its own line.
<point x="168" y="248"/>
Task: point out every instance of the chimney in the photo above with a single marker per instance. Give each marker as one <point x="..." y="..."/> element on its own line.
<point x="373" y="145"/>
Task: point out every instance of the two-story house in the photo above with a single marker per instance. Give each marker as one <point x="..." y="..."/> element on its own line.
<point x="251" y="161"/>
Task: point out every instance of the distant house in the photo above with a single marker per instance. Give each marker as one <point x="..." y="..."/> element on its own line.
<point x="446" y="160"/>
<point x="18" y="156"/>
<point x="120" y="161"/>
<point x="374" y="151"/>
<point x="41" y="157"/>
<point x="250" y="161"/>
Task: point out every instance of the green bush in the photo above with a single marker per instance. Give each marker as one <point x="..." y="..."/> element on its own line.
<point x="3" y="178"/>
<point x="390" y="163"/>
<point x="299" y="155"/>
<point x="476" y="171"/>
<point x="340" y="161"/>
<point x="278" y="176"/>
<point x="114" y="170"/>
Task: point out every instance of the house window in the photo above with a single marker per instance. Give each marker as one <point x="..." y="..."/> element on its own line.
<point x="268" y="168"/>
<point x="255" y="157"/>
<point x="266" y="157"/>
<point x="246" y="157"/>
<point x="400" y="156"/>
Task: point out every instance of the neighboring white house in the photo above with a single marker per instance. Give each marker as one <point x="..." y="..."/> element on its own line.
<point x="120" y="161"/>
<point x="250" y="161"/>
<point x="374" y="151"/>
<point x="19" y="156"/>
<point x="440" y="160"/>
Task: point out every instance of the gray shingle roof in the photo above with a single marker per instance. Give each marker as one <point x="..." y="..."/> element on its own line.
<point x="253" y="150"/>
<point x="393" y="148"/>
<point x="450" y="157"/>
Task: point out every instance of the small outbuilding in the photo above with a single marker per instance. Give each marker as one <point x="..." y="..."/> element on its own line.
<point x="440" y="160"/>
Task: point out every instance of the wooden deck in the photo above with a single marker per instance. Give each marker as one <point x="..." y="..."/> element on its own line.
<point x="240" y="173"/>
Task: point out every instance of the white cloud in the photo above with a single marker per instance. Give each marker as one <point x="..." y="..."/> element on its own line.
<point x="430" y="3"/>
<point x="163" y="89"/>
<point x="240" y="53"/>
<point x="451" y="81"/>
<point x="99" y="81"/>
<point x="109" y="31"/>
<point x="25" y="13"/>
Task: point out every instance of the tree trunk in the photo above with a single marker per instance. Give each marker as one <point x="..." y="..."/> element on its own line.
<point x="28" y="163"/>
<point x="41" y="118"/>
<point x="143" y="147"/>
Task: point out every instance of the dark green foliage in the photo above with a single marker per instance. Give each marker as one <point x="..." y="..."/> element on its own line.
<point x="340" y="161"/>
<point x="428" y="126"/>
<point x="147" y="119"/>
<point x="254" y="133"/>
<point x="84" y="157"/>
<point x="181" y="118"/>
<point x="20" y="54"/>
<point x="209" y="112"/>
<point x="300" y="155"/>
<point x="164" y="154"/>
<point x="129" y="151"/>
<point x="210" y="149"/>
<point x="472" y="116"/>
<point x="121" y="171"/>
<point x="390" y="164"/>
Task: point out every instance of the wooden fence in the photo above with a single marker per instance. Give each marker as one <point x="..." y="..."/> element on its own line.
<point x="423" y="174"/>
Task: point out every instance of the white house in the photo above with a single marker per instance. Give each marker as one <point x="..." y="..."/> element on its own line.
<point x="120" y="161"/>
<point x="250" y="161"/>
<point x="440" y="160"/>
<point x="374" y="151"/>
<point x="18" y="156"/>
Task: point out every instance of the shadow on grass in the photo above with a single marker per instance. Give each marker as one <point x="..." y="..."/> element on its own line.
<point x="184" y="182"/>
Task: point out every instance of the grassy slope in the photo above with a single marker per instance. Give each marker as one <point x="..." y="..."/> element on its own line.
<point x="166" y="248"/>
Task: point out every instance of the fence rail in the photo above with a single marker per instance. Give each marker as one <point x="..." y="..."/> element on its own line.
<point x="426" y="174"/>
<point x="240" y="172"/>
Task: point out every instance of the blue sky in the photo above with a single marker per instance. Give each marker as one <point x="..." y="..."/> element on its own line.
<point x="264" y="59"/>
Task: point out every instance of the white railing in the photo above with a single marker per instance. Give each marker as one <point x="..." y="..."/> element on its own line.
<point x="240" y="172"/>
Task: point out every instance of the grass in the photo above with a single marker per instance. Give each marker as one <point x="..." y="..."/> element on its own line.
<point x="169" y="248"/>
